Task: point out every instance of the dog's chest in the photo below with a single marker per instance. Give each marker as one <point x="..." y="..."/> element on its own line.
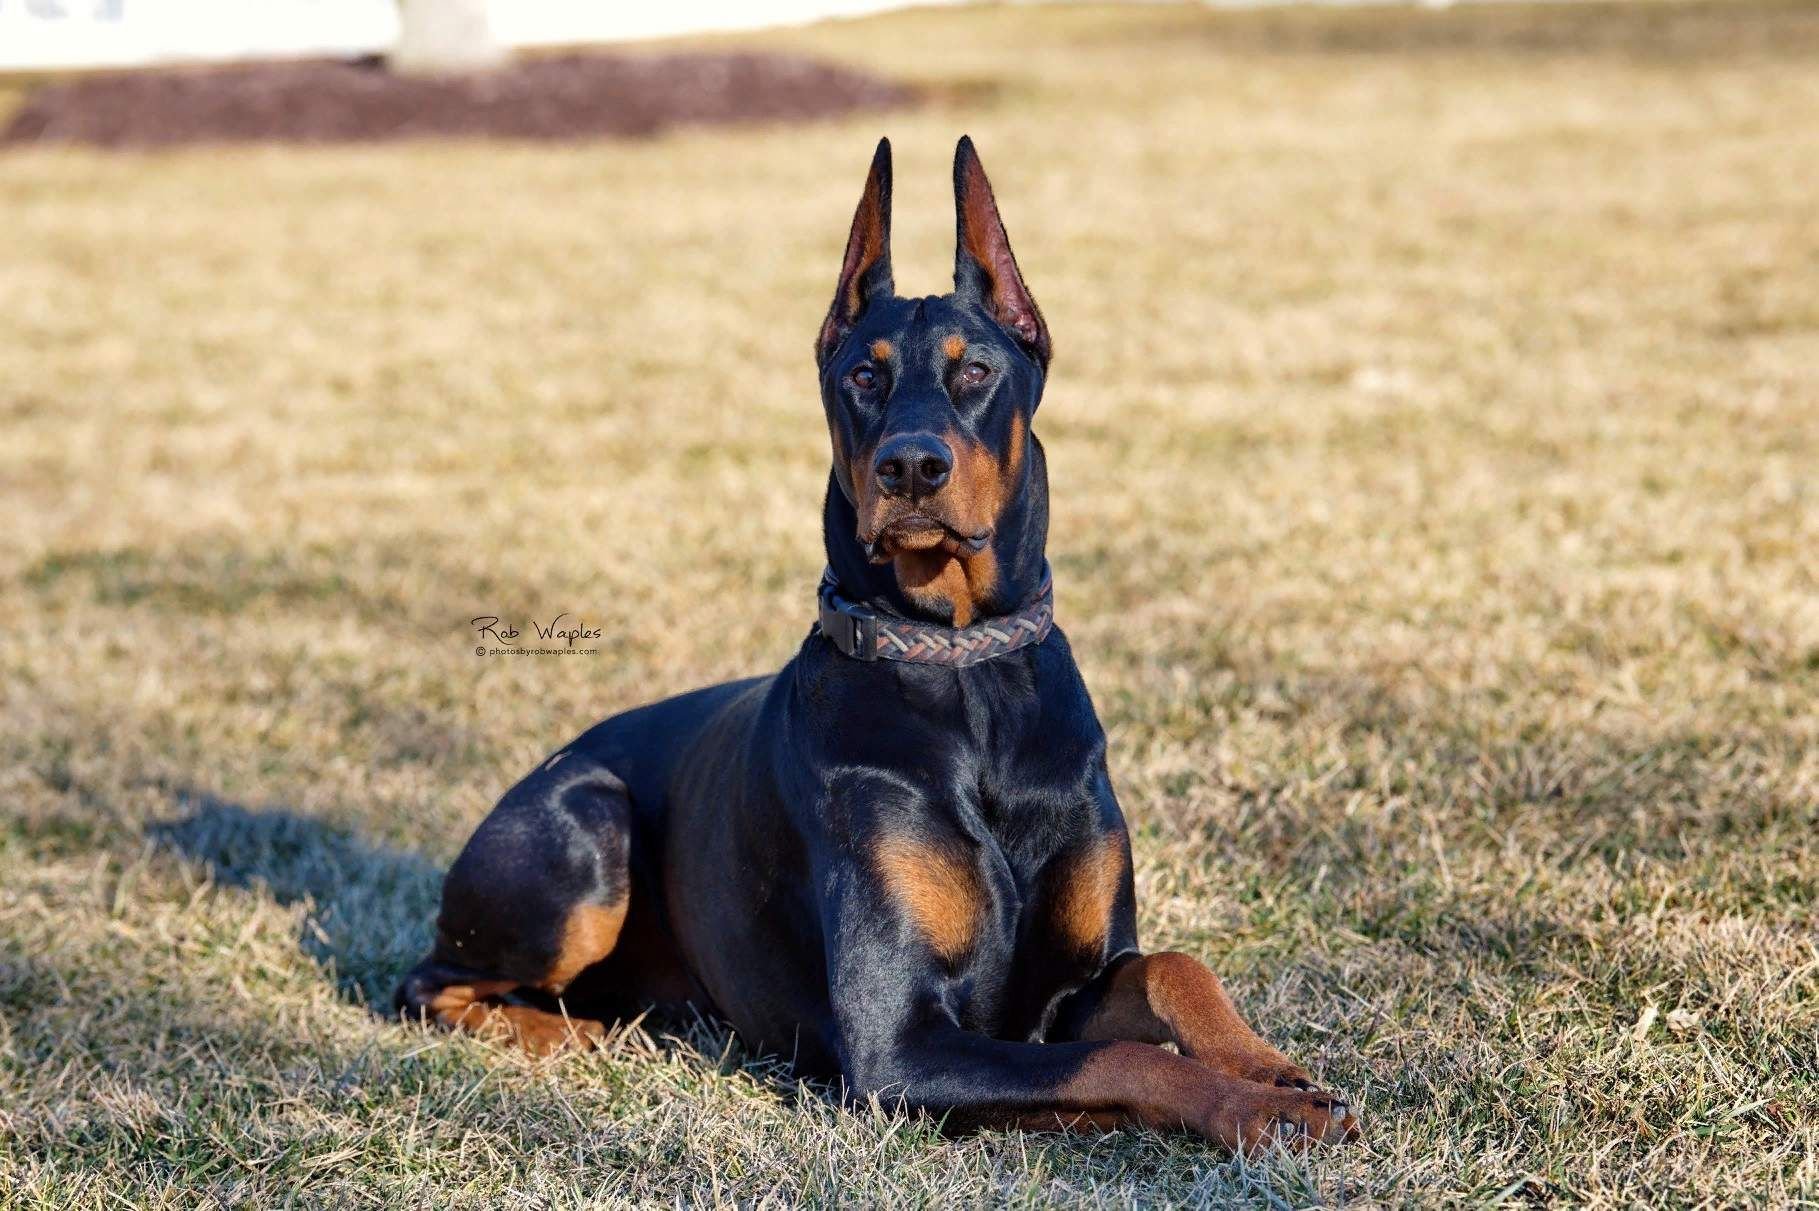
<point x="1050" y="921"/>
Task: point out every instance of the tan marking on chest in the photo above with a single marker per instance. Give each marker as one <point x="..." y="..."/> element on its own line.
<point x="1086" y="890"/>
<point x="938" y="889"/>
<point x="589" y="935"/>
<point x="935" y="579"/>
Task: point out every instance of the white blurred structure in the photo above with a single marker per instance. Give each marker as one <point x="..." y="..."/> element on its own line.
<point x="445" y="35"/>
<point x="104" y="33"/>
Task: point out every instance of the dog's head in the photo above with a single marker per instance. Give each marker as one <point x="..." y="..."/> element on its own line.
<point x="929" y="400"/>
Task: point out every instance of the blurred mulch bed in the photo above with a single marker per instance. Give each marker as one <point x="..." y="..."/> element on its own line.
<point x="333" y="101"/>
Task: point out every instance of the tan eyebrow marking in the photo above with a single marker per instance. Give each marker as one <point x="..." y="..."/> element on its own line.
<point x="954" y="346"/>
<point x="882" y="350"/>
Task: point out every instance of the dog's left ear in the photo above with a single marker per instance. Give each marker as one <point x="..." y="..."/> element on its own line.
<point x="865" y="272"/>
<point x="984" y="269"/>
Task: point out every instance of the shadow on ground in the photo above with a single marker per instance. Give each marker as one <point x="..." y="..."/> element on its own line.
<point x="369" y="906"/>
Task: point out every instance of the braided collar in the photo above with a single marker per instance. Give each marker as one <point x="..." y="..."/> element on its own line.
<point x="865" y="634"/>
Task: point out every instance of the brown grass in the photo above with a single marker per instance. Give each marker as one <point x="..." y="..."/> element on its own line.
<point x="1433" y="428"/>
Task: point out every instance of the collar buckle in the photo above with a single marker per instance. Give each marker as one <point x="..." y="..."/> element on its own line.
<point x="849" y="626"/>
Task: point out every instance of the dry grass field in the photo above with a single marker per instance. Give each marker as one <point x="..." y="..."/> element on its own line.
<point x="1434" y="433"/>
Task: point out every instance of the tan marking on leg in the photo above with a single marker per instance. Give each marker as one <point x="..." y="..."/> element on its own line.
<point x="455" y="1005"/>
<point x="1125" y="1012"/>
<point x="1166" y="1092"/>
<point x="955" y="347"/>
<point x="1079" y="1121"/>
<point x="587" y="937"/>
<point x="939" y="890"/>
<point x="1175" y="998"/>
<point x="1087" y="890"/>
<point x="464" y="1007"/>
<point x="882" y="350"/>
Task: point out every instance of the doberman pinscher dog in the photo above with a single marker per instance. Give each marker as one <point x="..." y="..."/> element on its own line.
<point x="899" y="860"/>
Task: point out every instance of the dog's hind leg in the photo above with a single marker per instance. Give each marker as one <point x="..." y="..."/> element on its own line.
<point x="537" y="897"/>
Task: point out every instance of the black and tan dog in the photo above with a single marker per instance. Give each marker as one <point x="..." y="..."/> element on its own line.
<point x="900" y="859"/>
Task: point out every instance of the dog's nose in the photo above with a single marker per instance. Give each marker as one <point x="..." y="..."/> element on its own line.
<point x="913" y="465"/>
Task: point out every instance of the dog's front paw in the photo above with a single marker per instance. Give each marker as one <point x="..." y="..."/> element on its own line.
<point x="1254" y="1118"/>
<point x="1311" y="1117"/>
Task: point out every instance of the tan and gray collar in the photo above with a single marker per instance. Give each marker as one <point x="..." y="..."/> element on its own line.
<point x="866" y="634"/>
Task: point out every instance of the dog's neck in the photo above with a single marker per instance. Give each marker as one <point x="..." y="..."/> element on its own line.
<point x="940" y="587"/>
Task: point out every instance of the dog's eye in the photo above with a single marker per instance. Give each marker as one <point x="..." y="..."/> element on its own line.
<point x="975" y="373"/>
<point x="863" y="377"/>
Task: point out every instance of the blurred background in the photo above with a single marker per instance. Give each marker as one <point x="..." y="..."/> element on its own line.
<point x="94" y="33"/>
<point x="1432" y="435"/>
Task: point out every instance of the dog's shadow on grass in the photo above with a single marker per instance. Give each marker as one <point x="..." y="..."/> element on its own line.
<point x="369" y="906"/>
<point x="369" y="910"/>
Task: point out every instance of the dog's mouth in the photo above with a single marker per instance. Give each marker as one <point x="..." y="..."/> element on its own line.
<point x="920" y="532"/>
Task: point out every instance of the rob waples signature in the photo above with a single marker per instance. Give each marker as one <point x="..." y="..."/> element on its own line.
<point x="499" y="638"/>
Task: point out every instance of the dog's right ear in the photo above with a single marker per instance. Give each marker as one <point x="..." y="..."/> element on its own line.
<point x="865" y="274"/>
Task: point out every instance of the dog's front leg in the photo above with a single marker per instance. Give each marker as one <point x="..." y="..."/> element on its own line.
<point x="1175" y="998"/>
<point x="902" y="933"/>
<point x="975" y="1081"/>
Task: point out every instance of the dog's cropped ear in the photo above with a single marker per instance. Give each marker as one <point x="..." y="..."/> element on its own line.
<point x="865" y="274"/>
<point x="984" y="269"/>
